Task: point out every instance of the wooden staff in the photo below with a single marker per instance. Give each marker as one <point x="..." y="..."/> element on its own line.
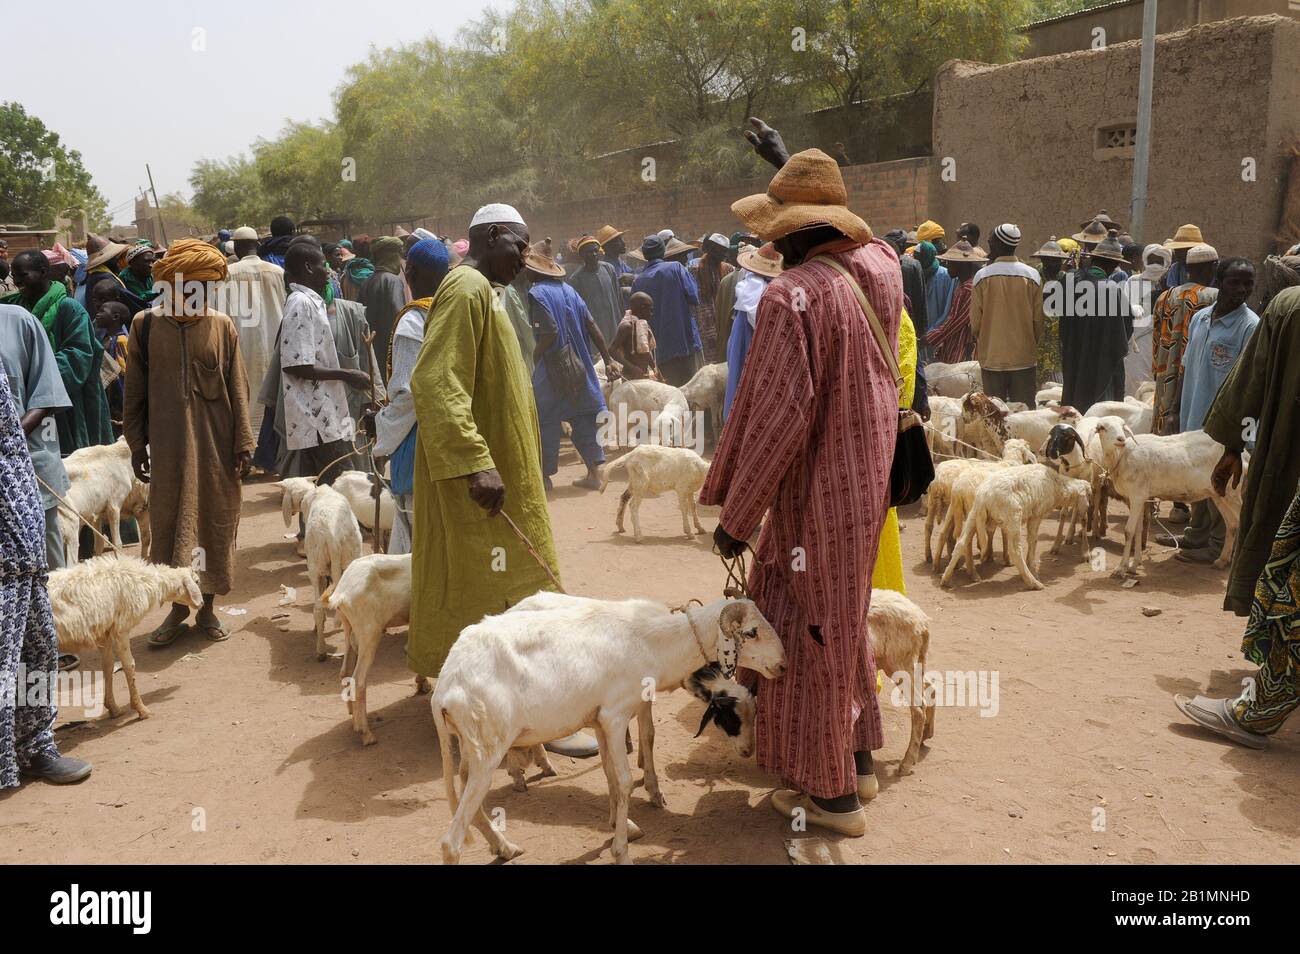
<point x="367" y="340"/>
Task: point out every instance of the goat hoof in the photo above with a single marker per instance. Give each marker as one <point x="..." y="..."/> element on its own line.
<point x="509" y="850"/>
<point x="905" y="767"/>
<point x="450" y="857"/>
<point x="633" y="831"/>
<point x="422" y="686"/>
<point x="143" y="712"/>
<point x="368" y="738"/>
<point x="1221" y="563"/>
<point x="115" y="711"/>
<point x="549" y="772"/>
<point x="520" y="785"/>
<point x="657" y="800"/>
<point x="349" y="708"/>
<point x="321" y="657"/>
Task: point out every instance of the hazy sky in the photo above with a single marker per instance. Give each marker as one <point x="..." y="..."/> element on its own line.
<point x="154" y="98"/>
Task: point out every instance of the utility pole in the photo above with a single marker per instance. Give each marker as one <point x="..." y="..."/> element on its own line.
<point x="162" y="229"/>
<point x="1142" y="147"/>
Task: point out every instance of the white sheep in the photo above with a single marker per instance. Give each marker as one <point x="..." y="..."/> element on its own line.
<point x="1033" y="427"/>
<point x="649" y="412"/>
<point x="525" y="677"/>
<point x="953" y="490"/>
<point x="371" y="596"/>
<point x="707" y="391"/>
<point x="332" y="538"/>
<point x="653" y="470"/>
<point x="1135" y="414"/>
<point x="943" y="428"/>
<point x="1016" y="499"/>
<point x="1174" y="467"/>
<point x="100" y="481"/>
<point x="356" y="486"/>
<point x="900" y="640"/>
<point x="96" y="605"/>
<point x="953" y="380"/>
<point x="1049" y="396"/>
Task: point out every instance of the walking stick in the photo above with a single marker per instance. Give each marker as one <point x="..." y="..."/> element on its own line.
<point x="367" y="339"/>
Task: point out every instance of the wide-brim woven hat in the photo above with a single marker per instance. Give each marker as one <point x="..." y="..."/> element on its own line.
<point x="608" y="233"/>
<point x="1104" y="218"/>
<point x="808" y="190"/>
<point x="1050" y="249"/>
<point x="1186" y="236"/>
<point x="1094" y="232"/>
<point x="541" y="263"/>
<point x="764" y="260"/>
<point x="100" y="250"/>
<point x="963" y="251"/>
<point x="1109" y="248"/>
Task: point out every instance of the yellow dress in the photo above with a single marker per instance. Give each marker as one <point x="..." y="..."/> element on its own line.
<point x="888" y="573"/>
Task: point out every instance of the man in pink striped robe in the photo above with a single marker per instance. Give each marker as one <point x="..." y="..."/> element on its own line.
<point x="809" y="443"/>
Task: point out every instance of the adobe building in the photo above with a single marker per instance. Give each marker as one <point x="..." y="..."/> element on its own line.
<point x="1121" y="21"/>
<point x="1048" y="141"/>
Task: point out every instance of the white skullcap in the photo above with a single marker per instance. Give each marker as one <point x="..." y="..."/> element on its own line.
<point x="1202" y="253"/>
<point x="717" y="238"/>
<point x="497" y="212"/>
<point x="423" y="234"/>
<point x="667" y="234"/>
<point x="245" y="233"/>
<point x="1008" y="234"/>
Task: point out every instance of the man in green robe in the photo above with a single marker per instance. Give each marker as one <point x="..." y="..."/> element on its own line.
<point x="478" y="455"/>
<point x="77" y="351"/>
<point x="1260" y="402"/>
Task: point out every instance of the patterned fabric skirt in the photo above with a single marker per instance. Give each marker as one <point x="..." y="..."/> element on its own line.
<point x="28" y="650"/>
<point x="707" y="322"/>
<point x="1272" y="637"/>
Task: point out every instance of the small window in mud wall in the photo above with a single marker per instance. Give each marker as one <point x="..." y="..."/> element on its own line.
<point x="1115" y="141"/>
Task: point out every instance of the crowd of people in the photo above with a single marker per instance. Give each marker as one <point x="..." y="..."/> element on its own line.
<point x="454" y="367"/>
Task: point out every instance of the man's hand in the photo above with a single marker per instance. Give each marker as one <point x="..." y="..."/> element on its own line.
<point x="728" y="545"/>
<point x="767" y="142"/>
<point x="140" y="464"/>
<point x="357" y="379"/>
<point x="368" y="421"/>
<point x="613" y="370"/>
<point x="1228" y="467"/>
<point x="486" y="490"/>
<point x="243" y="464"/>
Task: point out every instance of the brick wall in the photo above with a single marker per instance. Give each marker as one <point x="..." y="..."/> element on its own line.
<point x="886" y="194"/>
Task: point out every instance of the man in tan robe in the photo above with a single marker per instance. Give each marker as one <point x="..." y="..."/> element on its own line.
<point x="185" y="418"/>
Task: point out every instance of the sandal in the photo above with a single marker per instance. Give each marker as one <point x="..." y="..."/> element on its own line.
<point x="165" y="635"/>
<point x="1216" y="715"/>
<point x="215" y="632"/>
<point x="787" y="802"/>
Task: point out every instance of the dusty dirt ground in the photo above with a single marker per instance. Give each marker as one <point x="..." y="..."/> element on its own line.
<point x="249" y="756"/>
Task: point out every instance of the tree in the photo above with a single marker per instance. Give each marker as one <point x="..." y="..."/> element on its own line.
<point x="228" y="193"/>
<point x="39" y="178"/>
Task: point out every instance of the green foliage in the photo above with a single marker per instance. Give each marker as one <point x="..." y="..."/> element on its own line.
<point x="39" y="178"/>
<point x="519" y="105"/>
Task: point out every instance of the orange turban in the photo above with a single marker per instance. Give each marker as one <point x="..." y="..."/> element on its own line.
<point x="193" y="259"/>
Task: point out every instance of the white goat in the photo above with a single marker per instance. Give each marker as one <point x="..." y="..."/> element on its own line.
<point x="953" y="490"/>
<point x="953" y="380"/>
<point x="1033" y="427"/>
<point x="1176" y="467"/>
<point x="356" y="486"/>
<point x="707" y="391"/>
<point x="1134" y="413"/>
<point x="652" y="470"/>
<point x="525" y="677"/>
<point x="650" y="412"/>
<point x="943" y="428"/>
<point x="332" y="538"/>
<point x="1017" y="500"/>
<point x="101" y="480"/>
<point x="97" y="603"/>
<point x="371" y="596"/>
<point x="900" y="640"/>
<point x="1049" y="396"/>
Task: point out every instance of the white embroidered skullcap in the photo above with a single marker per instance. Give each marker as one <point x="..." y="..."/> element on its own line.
<point x="1202" y="253"/>
<point x="497" y="212"/>
<point x="667" y="234"/>
<point x="1008" y="234"/>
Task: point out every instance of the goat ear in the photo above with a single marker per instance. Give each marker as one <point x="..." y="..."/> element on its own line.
<point x="286" y="504"/>
<point x="710" y="713"/>
<point x="1128" y="432"/>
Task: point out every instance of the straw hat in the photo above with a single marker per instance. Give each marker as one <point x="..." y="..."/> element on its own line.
<point x="677" y="247"/>
<point x="808" y="190"/>
<point x="1094" y="232"/>
<point x="1104" y="218"/>
<point x="1109" y="248"/>
<point x="963" y="251"/>
<point x="607" y="234"/>
<point x="1051" y="249"/>
<point x="585" y="240"/>
<point x="1185" y="237"/>
<point x="765" y="261"/>
<point x="538" y="261"/>
<point x="100" y="250"/>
